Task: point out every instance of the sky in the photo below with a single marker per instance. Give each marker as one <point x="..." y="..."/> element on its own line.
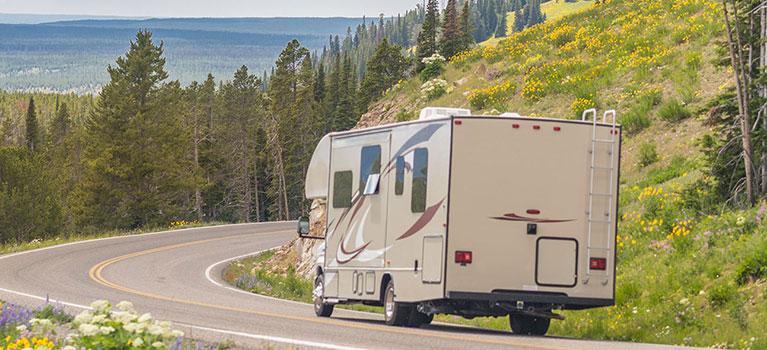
<point x="211" y="8"/>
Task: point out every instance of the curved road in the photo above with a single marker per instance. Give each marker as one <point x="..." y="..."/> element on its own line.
<point x="176" y="275"/>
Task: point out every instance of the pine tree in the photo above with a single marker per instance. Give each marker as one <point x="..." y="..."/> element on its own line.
<point x="60" y="125"/>
<point x="427" y="38"/>
<point x="385" y="69"/>
<point x="33" y="128"/>
<point x="466" y="28"/>
<point x="500" y="32"/>
<point x="519" y="21"/>
<point x="450" y="44"/>
<point x="135" y="166"/>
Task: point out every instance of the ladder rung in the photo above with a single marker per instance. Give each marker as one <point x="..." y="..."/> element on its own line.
<point x="602" y="168"/>
<point x="601" y="221"/>
<point x="598" y="248"/>
<point x="601" y="194"/>
<point x="604" y="140"/>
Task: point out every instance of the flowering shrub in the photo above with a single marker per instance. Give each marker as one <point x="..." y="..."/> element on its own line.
<point x="434" y="88"/>
<point x="482" y="98"/>
<point x="179" y="224"/>
<point x="101" y="328"/>
<point x="435" y="65"/>
<point x="580" y="105"/>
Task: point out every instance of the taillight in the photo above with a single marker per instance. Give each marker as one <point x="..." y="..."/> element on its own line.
<point x="463" y="257"/>
<point x="598" y="264"/>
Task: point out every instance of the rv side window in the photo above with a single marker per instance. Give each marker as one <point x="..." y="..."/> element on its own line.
<point x="370" y="163"/>
<point x="342" y="189"/>
<point x="399" y="181"/>
<point x="420" y="172"/>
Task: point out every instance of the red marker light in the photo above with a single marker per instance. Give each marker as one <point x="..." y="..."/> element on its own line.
<point x="515" y="126"/>
<point x="536" y="127"/>
<point x="533" y="211"/>
<point x="463" y="257"/>
<point x="458" y="122"/>
<point x="556" y="128"/>
<point x="598" y="264"/>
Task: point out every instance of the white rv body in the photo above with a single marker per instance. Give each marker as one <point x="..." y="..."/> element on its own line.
<point x="532" y="201"/>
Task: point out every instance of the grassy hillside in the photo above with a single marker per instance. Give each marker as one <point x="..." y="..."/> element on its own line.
<point x="690" y="270"/>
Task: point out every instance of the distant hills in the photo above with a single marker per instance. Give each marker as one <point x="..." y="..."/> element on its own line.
<point x="72" y="55"/>
<point x="24" y="18"/>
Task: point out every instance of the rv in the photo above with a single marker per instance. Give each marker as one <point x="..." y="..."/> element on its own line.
<point x="469" y="215"/>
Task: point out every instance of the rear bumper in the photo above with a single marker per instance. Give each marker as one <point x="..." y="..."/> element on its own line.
<point x="572" y="303"/>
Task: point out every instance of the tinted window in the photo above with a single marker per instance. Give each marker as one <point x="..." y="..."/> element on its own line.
<point x="370" y="163"/>
<point x="342" y="189"/>
<point x="399" y="181"/>
<point x="420" y="172"/>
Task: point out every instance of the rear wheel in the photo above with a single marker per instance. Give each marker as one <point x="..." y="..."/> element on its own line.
<point x="395" y="314"/>
<point x="320" y="308"/>
<point x="418" y="318"/>
<point x="522" y="324"/>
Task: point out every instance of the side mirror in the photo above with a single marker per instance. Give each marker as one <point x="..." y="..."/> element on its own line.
<point x="303" y="226"/>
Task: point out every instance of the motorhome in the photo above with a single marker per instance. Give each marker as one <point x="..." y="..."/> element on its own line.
<point x="469" y="215"/>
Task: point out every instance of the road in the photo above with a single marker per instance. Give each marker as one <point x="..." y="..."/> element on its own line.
<point x="176" y="275"/>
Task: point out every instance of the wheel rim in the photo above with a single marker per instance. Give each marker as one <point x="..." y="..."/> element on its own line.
<point x="318" y="292"/>
<point x="389" y="303"/>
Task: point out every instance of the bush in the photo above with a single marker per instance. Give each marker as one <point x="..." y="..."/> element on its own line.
<point x="721" y="294"/>
<point x="435" y="65"/>
<point x="672" y="111"/>
<point x="647" y="154"/>
<point x="635" y="120"/>
<point x="754" y="266"/>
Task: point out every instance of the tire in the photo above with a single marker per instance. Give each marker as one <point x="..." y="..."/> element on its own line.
<point x="418" y="318"/>
<point x="541" y="325"/>
<point x="321" y="309"/>
<point x="395" y="314"/>
<point x="521" y="324"/>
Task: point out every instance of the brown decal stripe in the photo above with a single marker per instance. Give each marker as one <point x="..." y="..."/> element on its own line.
<point x="354" y="253"/>
<point x="515" y="217"/>
<point x="425" y="218"/>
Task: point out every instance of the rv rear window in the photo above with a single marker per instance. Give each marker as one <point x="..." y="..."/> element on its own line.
<point x="342" y="189"/>
<point x="420" y="171"/>
<point x="370" y="163"/>
<point x="399" y="181"/>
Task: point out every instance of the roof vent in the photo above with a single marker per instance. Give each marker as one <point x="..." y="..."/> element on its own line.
<point x="439" y="112"/>
<point x="512" y="115"/>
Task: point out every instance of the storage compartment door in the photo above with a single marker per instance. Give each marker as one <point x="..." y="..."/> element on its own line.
<point x="432" y="259"/>
<point x="556" y="262"/>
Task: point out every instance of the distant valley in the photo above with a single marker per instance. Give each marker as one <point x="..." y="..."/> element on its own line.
<point x="72" y="56"/>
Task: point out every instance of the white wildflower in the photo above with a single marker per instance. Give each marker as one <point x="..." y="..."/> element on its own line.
<point x="106" y="330"/>
<point x="155" y="329"/>
<point x="100" y="306"/>
<point x="99" y="319"/>
<point x="147" y="317"/>
<point x="69" y="347"/>
<point x="176" y="333"/>
<point x="21" y="328"/>
<point x="158" y="344"/>
<point x="88" y="329"/>
<point x="684" y="301"/>
<point x="126" y="306"/>
<point x="131" y="327"/>
<point x="138" y="342"/>
<point x="83" y="317"/>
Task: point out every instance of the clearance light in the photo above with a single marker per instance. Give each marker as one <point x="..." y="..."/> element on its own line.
<point x="458" y="122"/>
<point x="536" y="127"/>
<point x="515" y="126"/>
<point x="598" y="264"/>
<point x="463" y="257"/>
<point x="556" y="128"/>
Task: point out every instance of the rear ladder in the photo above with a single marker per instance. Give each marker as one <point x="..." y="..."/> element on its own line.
<point x="595" y="219"/>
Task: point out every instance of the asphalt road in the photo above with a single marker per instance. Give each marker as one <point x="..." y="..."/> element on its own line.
<point x="176" y="276"/>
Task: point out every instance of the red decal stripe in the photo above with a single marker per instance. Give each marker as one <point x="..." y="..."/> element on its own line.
<point x="425" y="218"/>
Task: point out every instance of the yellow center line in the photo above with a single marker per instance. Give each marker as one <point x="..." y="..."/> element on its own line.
<point x="96" y="271"/>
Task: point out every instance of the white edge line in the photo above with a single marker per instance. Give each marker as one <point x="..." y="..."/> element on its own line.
<point x="274" y="339"/>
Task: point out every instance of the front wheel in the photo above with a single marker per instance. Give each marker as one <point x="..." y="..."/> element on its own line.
<point x="320" y="308"/>
<point x="395" y="314"/>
